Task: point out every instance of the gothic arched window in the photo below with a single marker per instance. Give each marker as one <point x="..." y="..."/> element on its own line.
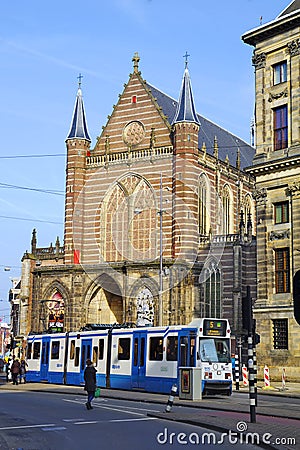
<point x="128" y="221"/>
<point x="211" y="291"/>
<point x="226" y="204"/>
<point x="203" y="205"/>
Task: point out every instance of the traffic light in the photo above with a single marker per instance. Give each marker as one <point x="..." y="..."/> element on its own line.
<point x="247" y="313"/>
<point x="256" y="339"/>
<point x="296" y="296"/>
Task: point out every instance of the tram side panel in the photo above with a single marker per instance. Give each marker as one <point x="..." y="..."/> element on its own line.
<point x="45" y="358"/>
<point x="162" y="361"/>
<point x="121" y="360"/>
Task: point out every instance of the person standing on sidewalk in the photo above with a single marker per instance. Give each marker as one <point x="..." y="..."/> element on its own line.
<point x="23" y="371"/>
<point x="15" y="370"/>
<point x="90" y="382"/>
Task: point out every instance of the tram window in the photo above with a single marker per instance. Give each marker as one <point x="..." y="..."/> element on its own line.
<point x="55" y="350"/>
<point x="72" y="349"/>
<point x="36" y="350"/>
<point x="135" y="351"/>
<point x="101" y="348"/>
<point x="156" y="349"/>
<point x="77" y="353"/>
<point x="172" y="347"/>
<point x="142" y="352"/>
<point x="124" y="349"/>
<point x="95" y="354"/>
<point x="29" y="350"/>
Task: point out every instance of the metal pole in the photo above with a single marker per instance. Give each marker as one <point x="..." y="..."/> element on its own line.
<point x="251" y="381"/>
<point x="160" y="300"/>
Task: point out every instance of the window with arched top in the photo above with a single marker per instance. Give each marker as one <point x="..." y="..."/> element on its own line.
<point x="211" y="291"/>
<point x="203" y="205"/>
<point x="128" y="221"/>
<point x="145" y="307"/>
<point x="226" y="213"/>
<point x="247" y="208"/>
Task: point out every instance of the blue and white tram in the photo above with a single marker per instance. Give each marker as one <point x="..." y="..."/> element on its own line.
<point x="146" y="358"/>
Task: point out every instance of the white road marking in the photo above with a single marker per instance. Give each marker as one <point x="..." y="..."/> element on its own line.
<point x="28" y="426"/>
<point x="86" y="423"/>
<point x="54" y="428"/>
<point x="133" y="420"/>
<point x="71" y="420"/>
<point x="106" y="407"/>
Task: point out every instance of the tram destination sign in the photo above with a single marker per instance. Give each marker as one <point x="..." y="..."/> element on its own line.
<point x="214" y="327"/>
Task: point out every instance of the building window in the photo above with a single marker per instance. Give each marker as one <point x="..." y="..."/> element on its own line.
<point x="280" y="73"/>
<point x="280" y="128"/>
<point x="211" y="291"/>
<point x="226" y="211"/>
<point x="282" y="270"/>
<point x="281" y="212"/>
<point x="280" y="334"/>
<point x="203" y="206"/>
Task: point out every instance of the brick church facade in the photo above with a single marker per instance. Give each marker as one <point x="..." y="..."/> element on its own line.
<point x="159" y="220"/>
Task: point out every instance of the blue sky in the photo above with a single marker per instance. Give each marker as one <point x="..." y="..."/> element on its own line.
<point x="43" y="48"/>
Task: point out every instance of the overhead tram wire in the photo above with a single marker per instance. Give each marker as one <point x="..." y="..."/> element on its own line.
<point x="31" y="220"/>
<point x="44" y="191"/>
<point x="33" y="156"/>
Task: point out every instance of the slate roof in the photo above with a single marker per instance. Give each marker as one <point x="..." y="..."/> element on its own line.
<point x="228" y="143"/>
<point x="292" y="7"/>
<point x="79" y="129"/>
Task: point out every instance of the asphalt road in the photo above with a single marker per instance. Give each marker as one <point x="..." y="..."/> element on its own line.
<point x="47" y="421"/>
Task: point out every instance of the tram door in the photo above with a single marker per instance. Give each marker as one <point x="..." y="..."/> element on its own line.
<point x="86" y="353"/>
<point x="45" y="358"/>
<point x="139" y="360"/>
<point x="187" y="349"/>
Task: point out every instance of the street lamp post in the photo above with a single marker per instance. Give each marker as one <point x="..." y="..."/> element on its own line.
<point x="160" y="292"/>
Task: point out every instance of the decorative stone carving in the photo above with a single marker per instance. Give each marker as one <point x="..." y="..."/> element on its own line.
<point x="259" y="60"/>
<point x="294" y="47"/>
<point x="259" y="194"/>
<point x="277" y="95"/>
<point x="294" y="188"/>
<point x="277" y="235"/>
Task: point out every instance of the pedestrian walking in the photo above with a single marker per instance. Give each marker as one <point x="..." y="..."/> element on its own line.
<point x="23" y="371"/>
<point x="15" y="370"/>
<point x="90" y="382"/>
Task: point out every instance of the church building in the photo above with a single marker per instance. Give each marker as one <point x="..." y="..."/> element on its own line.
<point x="159" y="219"/>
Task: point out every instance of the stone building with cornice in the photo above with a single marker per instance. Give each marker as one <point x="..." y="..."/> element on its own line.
<point x="276" y="164"/>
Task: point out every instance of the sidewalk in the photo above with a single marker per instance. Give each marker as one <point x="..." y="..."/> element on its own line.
<point x="281" y="431"/>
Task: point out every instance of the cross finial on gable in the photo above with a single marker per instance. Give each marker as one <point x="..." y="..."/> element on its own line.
<point x="135" y="61"/>
<point x="186" y="59"/>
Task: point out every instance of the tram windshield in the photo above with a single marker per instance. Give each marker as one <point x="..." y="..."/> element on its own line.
<point x="214" y="350"/>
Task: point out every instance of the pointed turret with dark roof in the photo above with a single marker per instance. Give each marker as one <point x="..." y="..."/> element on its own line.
<point x="186" y="111"/>
<point x="79" y="129"/>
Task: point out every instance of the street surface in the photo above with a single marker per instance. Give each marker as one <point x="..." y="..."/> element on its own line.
<point x="47" y="421"/>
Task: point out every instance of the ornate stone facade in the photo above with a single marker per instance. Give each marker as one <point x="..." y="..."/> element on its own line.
<point x="276" y="170"/>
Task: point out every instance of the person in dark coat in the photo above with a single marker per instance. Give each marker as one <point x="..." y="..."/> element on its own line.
<point x="15" y="370"/>
<point x="90" y="382"/>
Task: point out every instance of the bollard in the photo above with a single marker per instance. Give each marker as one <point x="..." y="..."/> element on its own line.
<point x="266" y="377"/>
<point x="171" y="398"/>
<point x="283" y="380"/>
<point x="252" y="392"/>
<point x="237" y="372"/>
<point x="245" y="375"/>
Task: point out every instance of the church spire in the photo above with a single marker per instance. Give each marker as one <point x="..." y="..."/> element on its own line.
<point x="78" y="129"/>
<point x="186" y="111"/>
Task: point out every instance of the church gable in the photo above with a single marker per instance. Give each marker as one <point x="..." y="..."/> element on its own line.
<point x="136" y="123"/>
